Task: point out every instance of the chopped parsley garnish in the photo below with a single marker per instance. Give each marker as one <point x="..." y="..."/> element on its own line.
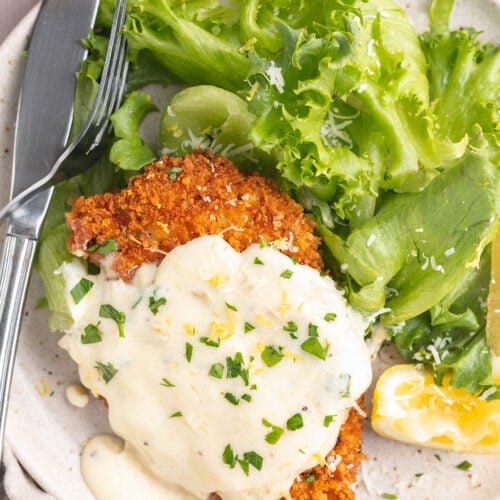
<point x="258" y="261"/>
<point x="295" y="422"/>
<point x="464" y="465"/>
<point x="419" y="474"/>
<point x="173" y="172"/>
<point x="330" y="317"/>
<point x="176" y="414"/>
<point x="108" y="311"/>
<point x="217" y="370"/>
<point x="291" y="326"/>
<point x="437" y="457"/>
<point x="389" y="495"/>
<point x="313" y="346"/>
<point x="310" y="478"/>
<point x="105" y="247"/>
<point x="231" y="398"/>
<point x="108" y="371"/>
<point x="329" y="419"/>
<point x="313" y="330"/>
<point x="189" y="351"/>
<point x="263" y="243"/>
<point x="249" y="458"/>
<point x="154" y="304"/>
<point x="247" y="397"/>
<point x="228" y="456"/>
<point x="287" y="274"/>
<point x="210" y="343"/>
<point x="276" y="432"/>
<point x="81" y="289"/>
<point x="231" y="307"/>
<point x="271" y="356"/>
<point x="249" y="327"/>
<point x="234" y="365"/>
<point x="92" y="334"/>
<point x="166" y="383"/>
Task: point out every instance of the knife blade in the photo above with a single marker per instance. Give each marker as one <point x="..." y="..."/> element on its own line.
<point x="43" y="123"/>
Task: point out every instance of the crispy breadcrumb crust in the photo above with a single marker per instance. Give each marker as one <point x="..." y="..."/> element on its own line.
<point x="177" y="200"/>
<point x="333" y="480"/>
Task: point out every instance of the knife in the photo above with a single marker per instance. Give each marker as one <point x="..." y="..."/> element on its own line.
<point x="44" y="118"/>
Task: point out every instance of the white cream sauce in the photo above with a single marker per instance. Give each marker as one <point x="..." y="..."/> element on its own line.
<point x="177" y="419"/>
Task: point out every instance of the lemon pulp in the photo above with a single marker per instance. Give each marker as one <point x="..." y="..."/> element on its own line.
<point x="409" y="407"/>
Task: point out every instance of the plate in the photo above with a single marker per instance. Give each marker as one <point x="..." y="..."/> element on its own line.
<point x="46" y="433"/>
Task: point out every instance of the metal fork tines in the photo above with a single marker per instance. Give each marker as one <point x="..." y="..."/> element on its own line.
<point x="80" y="154"/>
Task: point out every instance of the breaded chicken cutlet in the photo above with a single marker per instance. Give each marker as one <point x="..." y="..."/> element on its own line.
<point x="177" y="200"/>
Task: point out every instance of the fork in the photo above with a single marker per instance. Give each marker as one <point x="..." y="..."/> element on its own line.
<point x="81" y="153"/>
<point x="27" y="210"/>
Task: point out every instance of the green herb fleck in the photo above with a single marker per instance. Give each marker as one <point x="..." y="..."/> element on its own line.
<point x="313" y="346"/>
<point x="217" y="370"/>
<point x="250" y="458"/>
<point x="154" y="304"/>
<point x="419" y="474"/>
<point x="234" y="365"/>
<point x="271" y="356"/>
<point x="108" y="371"/>
<point x="263" y="243"/>
<point x="254" y="459"/>
<point x="232" y="398"/>
<point x="172" y="173"/>
<point x="291" y="326"/>
<point x="389" y="495"/>
<point x="437" y="457"/>
<point x="330" y="317"/>
<point x="81" y="289"/>
<point x="166" y="383"/>
<point x="108" y="311"/>
<point x="464" y="465"/>
<point x="313" y="330"/>
<point x="310" y="478"/>
<point x="105" y="247"/>
<point x="92" y="334"/>
<point x="231" y="307"/>
<point x="228" y="456"/>
<point x="247" y="397"/>
<point x="329" y="419"/>
<point x="176" y="414"/>
<point x="295" y="422"/>
<point x="287" y="274"/>
<point x="258" y="261"/>
<point x="274" y="436"/>
<point x="210" y="343"/>
<point x="249" y="327"/>
<point x="189" y="351"/>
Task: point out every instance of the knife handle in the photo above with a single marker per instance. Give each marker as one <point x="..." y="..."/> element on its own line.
<point x="15" y="270"/>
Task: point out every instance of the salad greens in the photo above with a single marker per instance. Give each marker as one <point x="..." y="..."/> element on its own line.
<point x="390" y="140"/>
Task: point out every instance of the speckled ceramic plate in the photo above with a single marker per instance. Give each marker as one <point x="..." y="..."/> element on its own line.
<point x="46" y="432"/>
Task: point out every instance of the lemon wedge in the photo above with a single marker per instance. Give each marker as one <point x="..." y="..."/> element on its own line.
<point x="409" y="407"/>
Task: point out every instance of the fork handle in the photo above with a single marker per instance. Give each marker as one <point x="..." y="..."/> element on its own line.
<point x="15" y="269"/>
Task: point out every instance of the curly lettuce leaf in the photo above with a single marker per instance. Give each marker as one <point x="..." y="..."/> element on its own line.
<point x="196" y="41"/>
<point x="130" y="152"/>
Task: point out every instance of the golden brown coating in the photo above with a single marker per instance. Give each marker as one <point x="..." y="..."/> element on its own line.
<point x="333" y="480"/>
<point x="177" y="200"/>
